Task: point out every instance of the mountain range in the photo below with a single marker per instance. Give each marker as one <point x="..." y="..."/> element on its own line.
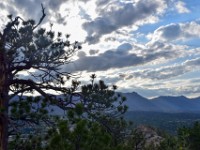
<point x="164" y="104"/>
<point x="168" y="104"/>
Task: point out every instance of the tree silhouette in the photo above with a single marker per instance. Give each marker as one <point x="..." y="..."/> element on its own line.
<point x="27" y="48"/>
<point x="95" y="122"/>
<point x="105" y="106"/>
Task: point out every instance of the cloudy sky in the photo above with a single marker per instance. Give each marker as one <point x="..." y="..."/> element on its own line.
<point x="148" y="46"/>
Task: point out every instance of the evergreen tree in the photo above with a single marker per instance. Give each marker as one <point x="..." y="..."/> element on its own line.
<point x="189" y="138"/>
<point x="94" y="122"/>
<point x="24" y="47"/>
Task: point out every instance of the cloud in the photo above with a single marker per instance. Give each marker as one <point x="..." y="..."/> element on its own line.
<point x="189" y="87"/>
<point x="2" y="5"/>
<point x="121" y="52"/>
<point x="93" y="52"/>
<point x="32" y="8"/>
<point x="181" y="7"/>
<point x="189" y="90"/>
<point x="120" y="14"/>
<point x="108" y="60"/>
<point x="174" y="32"/>
<point x="170" y="32"/>
<point x="165" y="72"/>
<point x="125" y="47"/>
<point x="81" y="54"/>
<point x="101" y="3"/>
<point x="121" y="57"/>
<point x="60" y="19"/>
<point x="83" y="13"/>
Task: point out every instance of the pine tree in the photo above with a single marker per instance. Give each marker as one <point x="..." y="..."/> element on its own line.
<point x="25" y="47"/>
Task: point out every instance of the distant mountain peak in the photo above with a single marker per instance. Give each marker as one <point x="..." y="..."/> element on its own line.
<point x="171" y="97"/>
<point x="135" y="94"/>
<point x="136" y="102"/>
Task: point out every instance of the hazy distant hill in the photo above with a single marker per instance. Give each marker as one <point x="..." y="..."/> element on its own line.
<point x="136" y="102"/>
<point x="169" y="104"/>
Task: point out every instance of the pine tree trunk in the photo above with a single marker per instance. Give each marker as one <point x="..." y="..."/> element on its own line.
<point x="3" y="103"/>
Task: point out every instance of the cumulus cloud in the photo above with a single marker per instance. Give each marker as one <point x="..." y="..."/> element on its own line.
<point x="93" y="52"/>
<point x="181" y="7"/>
<point x="181" y="31"/>
<point x="189" y="87"/>
<point x="83" y="13"/>
<point x="108" y="60"/>
<point x="122" y="56"/>
<point x="189" y="90"/>
<point x="165" y="72"/>
<point x="32" y="8"/>
<point x="115" y="26"/>
<point x="120" y="14"/>
<point x="81" y="54"/>
<point x="125" y="47"/>
<point x="101" y="3"/>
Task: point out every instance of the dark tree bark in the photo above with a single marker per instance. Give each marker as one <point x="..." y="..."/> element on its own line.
<point x="3" y="102"/>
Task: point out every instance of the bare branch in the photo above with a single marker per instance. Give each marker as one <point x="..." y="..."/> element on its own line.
<point x="42" y="18"/>
<point x="31" y="84"/>
<point x="19" y="91"/>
